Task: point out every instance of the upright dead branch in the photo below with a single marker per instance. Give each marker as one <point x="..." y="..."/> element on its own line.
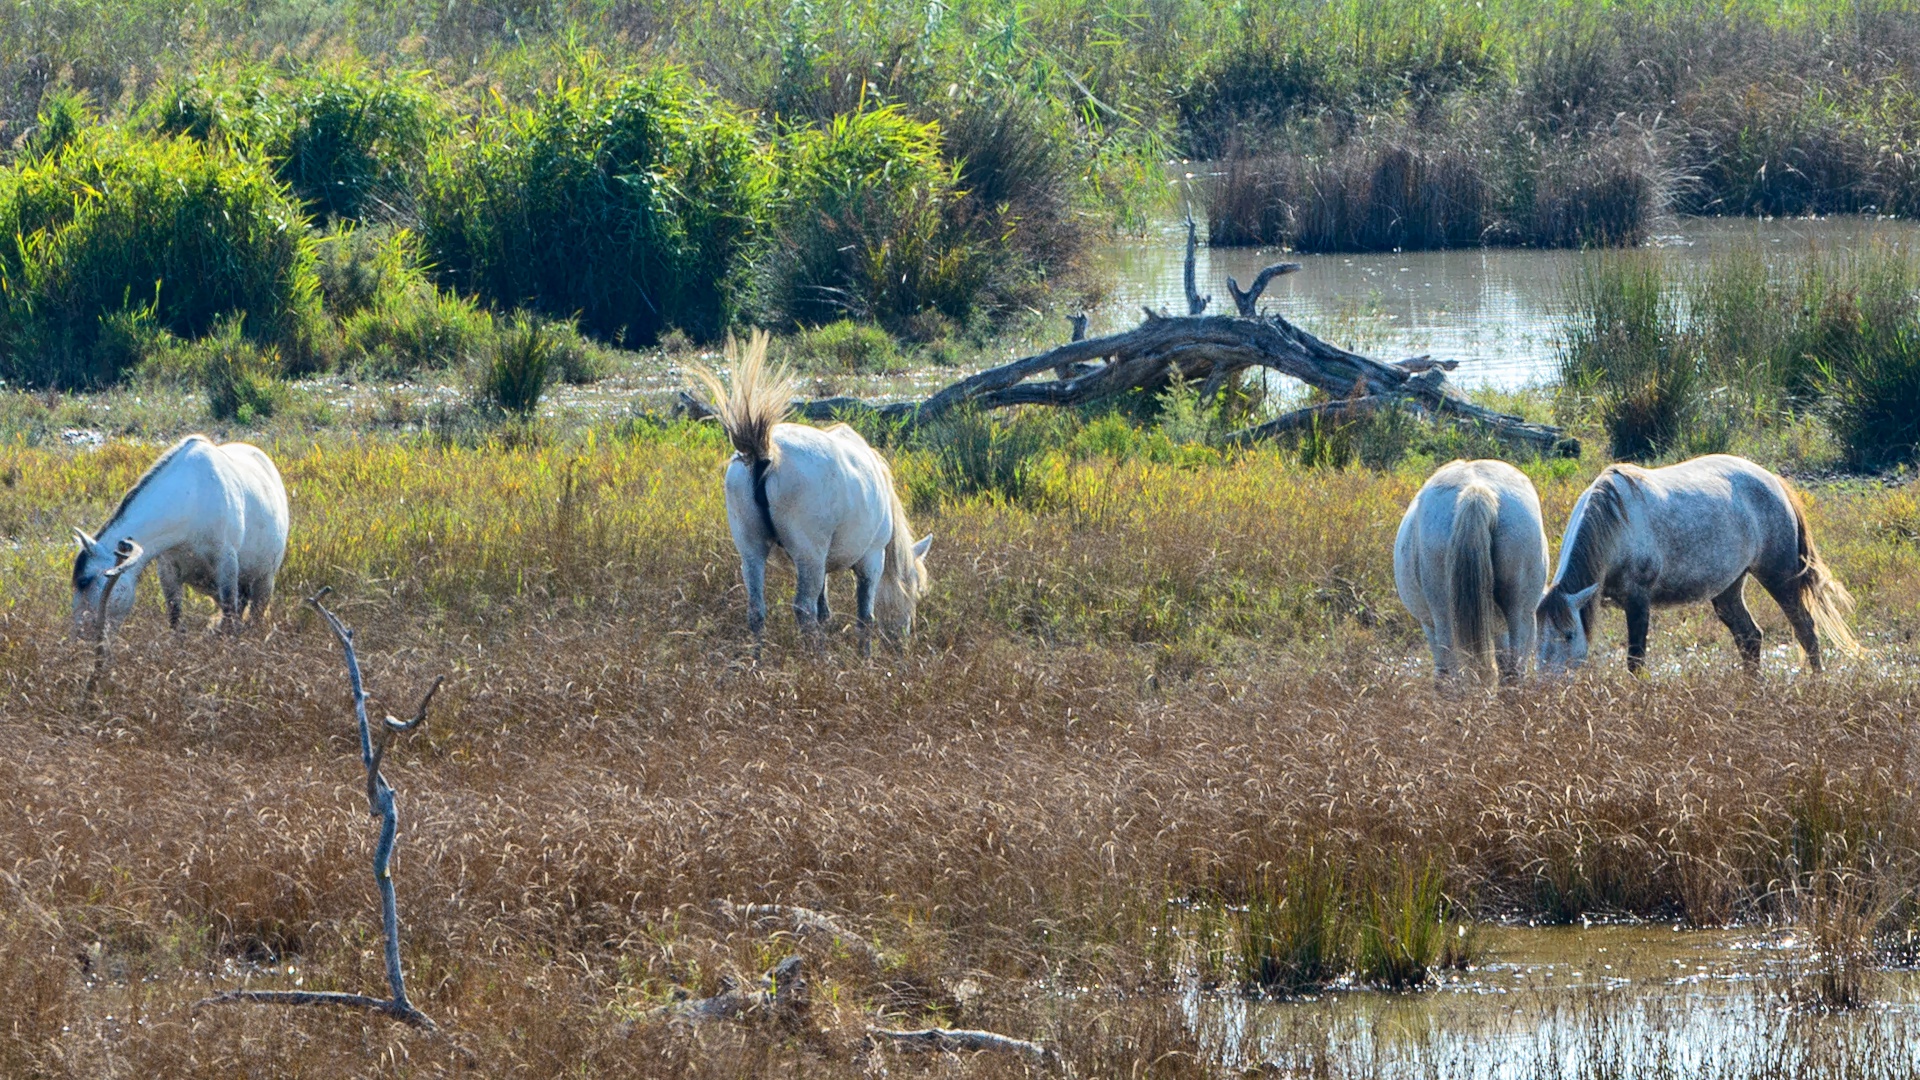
<point x="125" y="554"/>
<point x="380" y="804"/>
<point x="1196" y="304"/>
<point x="1247" y="302"/>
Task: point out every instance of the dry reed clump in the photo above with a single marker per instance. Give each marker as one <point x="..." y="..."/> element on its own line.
<point x="1128" y="700"/>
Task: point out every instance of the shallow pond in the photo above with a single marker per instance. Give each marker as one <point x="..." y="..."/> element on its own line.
<point x="1492" y="309"/>
<point x="1602" y="1001"/>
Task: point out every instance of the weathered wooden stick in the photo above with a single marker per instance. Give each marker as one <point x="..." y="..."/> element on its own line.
<point x="782" y="996"/>
<point x="1247" y="303"/>
<point x="1196" y="304"/>
<point x="380" y="804"/>
<point x="959" y="1040"/>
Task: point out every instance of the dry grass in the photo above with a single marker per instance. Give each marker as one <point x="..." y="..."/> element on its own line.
<point x="1163" y="683"/>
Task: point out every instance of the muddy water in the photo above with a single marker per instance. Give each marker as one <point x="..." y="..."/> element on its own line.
<point x="1623" y="1001"/>
<point x="1494" y="310"/>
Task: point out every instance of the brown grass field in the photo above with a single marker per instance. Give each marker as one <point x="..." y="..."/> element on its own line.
<point x="1133" y="696"/>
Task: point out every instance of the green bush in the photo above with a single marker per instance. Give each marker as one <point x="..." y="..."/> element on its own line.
<point x="64" y="114"/>
<point x="862" y="228"/>
<point x="419" y="328"/>
<point x="847" y="347"/>
<point x="108" y="224"/>
<point x="1873" y="387"/>
<point x="518" y="365"/>
<point x="1296" y="932"/>
<point x="356" y="266"/>
<point x="241" y="379"/>
<point x="629" y="206"/>
<point x="346" y="143"/>
<point x="1626" y="349"/>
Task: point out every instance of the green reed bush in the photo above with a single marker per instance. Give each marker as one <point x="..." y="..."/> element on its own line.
<point x="242" y="379"/>
<point x="64" y="113"/>
<point x="1873" y="392"/>
<point x="862" y="226"/>
<point x="976" y="453"/>
<point x="847" y="347"/>
<point x="517" y="366"/>
<point x="1402" y="935"/>
<point x="111" y="222"/>
<point x="1624" y="349"/>
<point x="1296" y="935"/>
<point x="415" y="329"/>
<point x="356" y="265"/>
<point x="347" y="143"/>
<point x="629" y="204"/>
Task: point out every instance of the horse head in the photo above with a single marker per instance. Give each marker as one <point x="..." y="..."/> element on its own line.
<point x="1563" y="618"/>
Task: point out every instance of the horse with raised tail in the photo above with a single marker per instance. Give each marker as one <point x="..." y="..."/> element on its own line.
<point x="823" y="496"/>
<point x="1647" y="538"/>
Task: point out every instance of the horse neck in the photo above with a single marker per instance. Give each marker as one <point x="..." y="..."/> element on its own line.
<point x="1590" y="546"/>
<point x="149" y="521"/>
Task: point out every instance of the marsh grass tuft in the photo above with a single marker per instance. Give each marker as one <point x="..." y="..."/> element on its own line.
<point x="517" y="366"/>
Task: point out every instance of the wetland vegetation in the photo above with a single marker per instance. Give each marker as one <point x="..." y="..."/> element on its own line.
<point x="1162" y="781"/>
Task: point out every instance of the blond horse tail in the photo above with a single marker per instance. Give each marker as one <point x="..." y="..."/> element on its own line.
<point x="749" y="409"/>
<point x="900" y="579"/>
<point x="1821" y="593"/>
<point x="1470" y="576"/>
<point x="757" y="399"/>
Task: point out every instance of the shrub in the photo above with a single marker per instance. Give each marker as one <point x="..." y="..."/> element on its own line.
<point x="630" y="206"/>
<point x="355" y="266"/>
<point x="420" y="328"/>
<point x="64" y="114"/>
<point x="847" y="347"/>
<point x="346" y="143"/>
<point x="862" y="226"/>
<point x="517" y="365"/>
<point x="108" y="224"/>
<point x="1295" y="937"/>
<point x="241" y="378"/>
<point x="1624" y="347"/>
<point x="577" y="359"/>
<point x="1874" y="390"/>
<point x="977" y="454"/>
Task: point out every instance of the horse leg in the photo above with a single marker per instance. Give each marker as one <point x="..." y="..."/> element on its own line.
<point x="1731" y="606"/>
<point x="753" y="572"/>
<point x="1787" y="595"/>
<point x="1522" y="639"/>
<point x="1639" y="621"/>
<point x="824" y="611"/>
<point x="170" y="589"/>
<point x="866" y="575"/>
<point x="810" y="574"/>
<point x="1437" y="645"/>
<point x="262" y="596"/>
<point x="226" y="581"/>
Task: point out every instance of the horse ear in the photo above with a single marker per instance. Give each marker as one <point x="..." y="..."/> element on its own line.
<point x="920" y="549"/>
<point x="1581" y="599"/>
<point x="87" y="543"/>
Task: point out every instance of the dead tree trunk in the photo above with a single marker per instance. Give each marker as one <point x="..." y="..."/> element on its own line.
<point x="1208" y="349"/>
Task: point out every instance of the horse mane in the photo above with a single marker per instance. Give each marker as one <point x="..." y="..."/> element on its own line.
<point x="757" y="400"/>
<point x="1599" y="528"/>
<point x="81" y="579"/>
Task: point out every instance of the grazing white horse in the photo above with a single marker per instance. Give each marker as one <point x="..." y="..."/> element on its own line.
<point x="213" y="517"/>
<point x="1471" y="550"/>
<point x="1646" y="538"/>
<point x="822" y="496"/>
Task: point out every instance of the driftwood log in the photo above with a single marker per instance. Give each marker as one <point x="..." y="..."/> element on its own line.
<point x="960" y="1041"/>
<point x="1205" y="350"/>
<point x="380" y="804"/>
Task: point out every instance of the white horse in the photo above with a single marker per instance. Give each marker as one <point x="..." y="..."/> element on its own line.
<point x="822" y="496"/>
<point x="1646" y="538"/>
<point x="1472" y="545"/>
<point x="213" y="517"/>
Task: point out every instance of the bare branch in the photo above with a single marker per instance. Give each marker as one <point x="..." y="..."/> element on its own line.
<point x="1247" y="303"/>
<point x="1196" y="304"/>
<point x="380" y="803"/>
<point x="959" y="1040"/>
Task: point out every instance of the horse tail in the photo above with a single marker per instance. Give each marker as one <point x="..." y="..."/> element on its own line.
<point x="1821" y="593"/>
<point x="1470" y="575"/>
<point x="749" y="409"/>
<point x="900" y="579"/>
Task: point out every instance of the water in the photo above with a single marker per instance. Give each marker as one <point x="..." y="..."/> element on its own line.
<point x="1494" y="310"/>
<point x="1578" y="1002"/>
